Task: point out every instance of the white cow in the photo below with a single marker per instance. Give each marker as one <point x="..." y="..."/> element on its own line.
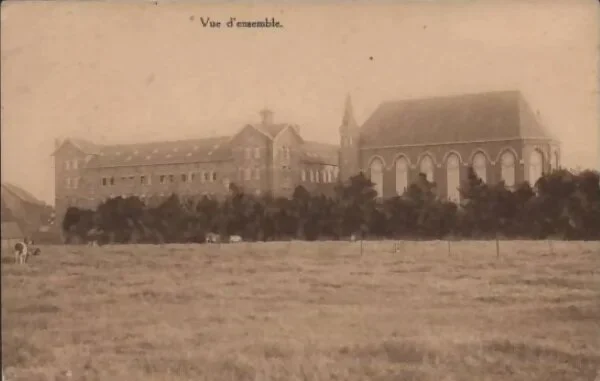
<point x="235" y="238"/>
<point x="21" y="252"/>
<point x="213" y="238"/>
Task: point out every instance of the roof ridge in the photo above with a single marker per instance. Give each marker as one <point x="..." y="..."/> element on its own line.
<point x="221" y="137"/>
<point x="516" y="92"/>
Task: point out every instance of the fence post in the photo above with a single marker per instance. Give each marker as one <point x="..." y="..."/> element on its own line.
<point x="497" y="247"/>
<point x="449" y="249"/>
<point x="361" y="247"/>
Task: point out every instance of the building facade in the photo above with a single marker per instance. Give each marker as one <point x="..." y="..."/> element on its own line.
<point x="496" y="133"/>
<point x="262" y="157"/>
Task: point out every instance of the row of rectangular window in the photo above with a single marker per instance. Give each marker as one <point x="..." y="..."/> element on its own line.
<point x="249" y="152"/>
<point x="317" y="176"/>
<point x="71" y="164"/>
<point x="246" y="174"/>
<point x="72" y="182"/>
<point x="165" y="179"/>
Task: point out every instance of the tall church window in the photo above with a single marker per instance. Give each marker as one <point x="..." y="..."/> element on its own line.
<point x="303" y="174"/>
<point x="507" y="163"/>
<point x="453" y="177"/>
<point x="377" y="176"/>
<point x="401" y="175"/>
<point x="480" y="166"/>
<point x="426" y="167"/>
<point x="555" y="160"/>
<point x="536" y="161"/>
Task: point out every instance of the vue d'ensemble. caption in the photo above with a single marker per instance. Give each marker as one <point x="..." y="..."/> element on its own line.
<point x="233" y="22"/>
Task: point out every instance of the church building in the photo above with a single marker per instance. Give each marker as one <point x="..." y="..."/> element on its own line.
<point x="496" y="133"/>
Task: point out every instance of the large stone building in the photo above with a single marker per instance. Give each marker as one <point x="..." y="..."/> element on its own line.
<point x="495" y="132"/>
<point x="263" y="157"/>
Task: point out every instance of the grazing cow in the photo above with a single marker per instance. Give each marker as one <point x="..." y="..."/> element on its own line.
<point x="21" y="252"/>
<point x="353" y="238"/>
<point x="235" y="238"/>
<point x="213" y="238"/>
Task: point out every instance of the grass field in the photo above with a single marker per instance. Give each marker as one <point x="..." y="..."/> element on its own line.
<point x="304" y="311"/>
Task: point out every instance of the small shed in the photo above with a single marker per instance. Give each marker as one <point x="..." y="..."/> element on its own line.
<point x="11" y="234"/>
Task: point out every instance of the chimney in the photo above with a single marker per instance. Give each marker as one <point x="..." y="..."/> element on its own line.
<point x="266" y="116"/>
<point x="57" y="143"/>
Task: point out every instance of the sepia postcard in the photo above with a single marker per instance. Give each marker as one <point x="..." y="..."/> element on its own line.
<point x="300" y="190"/>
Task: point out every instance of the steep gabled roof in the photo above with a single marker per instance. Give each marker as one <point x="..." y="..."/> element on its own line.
<point x="11" y="230"/>
<point x="22" y="194"/>
<point x="157" y="153"/>
<point x="467" y="117"/>
<point x="83" y="145"/>
<point x="271" y="130"/>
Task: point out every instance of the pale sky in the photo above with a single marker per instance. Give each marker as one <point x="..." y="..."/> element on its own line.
<point x="115" y="72"/>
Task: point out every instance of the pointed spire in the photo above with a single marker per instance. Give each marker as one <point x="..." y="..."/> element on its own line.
<point x="348" y="119"/>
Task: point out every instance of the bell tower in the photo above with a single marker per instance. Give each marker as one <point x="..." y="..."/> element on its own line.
<point x="349" y="142"/>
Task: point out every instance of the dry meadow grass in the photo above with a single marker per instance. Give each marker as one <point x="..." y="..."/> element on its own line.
<point x="304" y="311"/>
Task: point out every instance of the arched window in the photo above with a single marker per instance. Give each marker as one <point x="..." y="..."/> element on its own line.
<point x="303" y="174"/>
<point x="480" y="166"/>
<point x="507" y="163"/>
<point x="312" y="175"/>
<point x="401" y="175"/>
<point x="536" y="162"/>
<point x="426" y="167"/>
<point x="377" y="176"/>
<point x="453" y="177"/>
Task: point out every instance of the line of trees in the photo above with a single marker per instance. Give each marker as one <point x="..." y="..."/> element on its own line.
<point x="564" y="205"/>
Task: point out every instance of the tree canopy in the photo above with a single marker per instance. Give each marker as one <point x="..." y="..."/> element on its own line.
<point x="563" y="205"/>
